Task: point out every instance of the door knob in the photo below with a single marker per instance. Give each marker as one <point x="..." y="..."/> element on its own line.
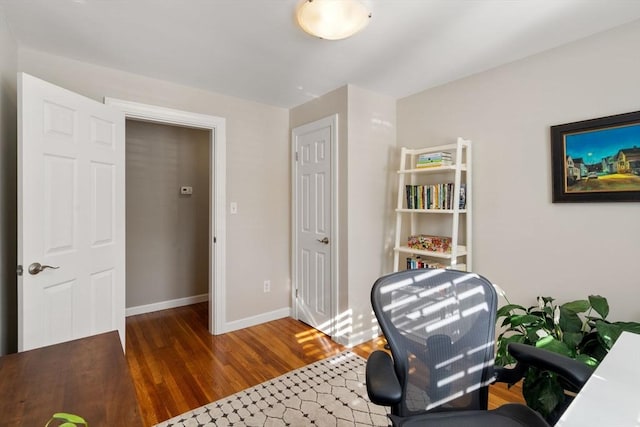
<point x="36" y="268"/>
<point x="325" y="240"/>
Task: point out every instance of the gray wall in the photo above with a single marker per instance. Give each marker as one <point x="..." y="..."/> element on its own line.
<point x="8" y="255"/>
<point x="522" y="241"/>
<point x="167" y="233"/>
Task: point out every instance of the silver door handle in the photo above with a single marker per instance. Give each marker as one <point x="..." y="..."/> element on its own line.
<point x="325" y="240"/>
<point x="36" y="268"/>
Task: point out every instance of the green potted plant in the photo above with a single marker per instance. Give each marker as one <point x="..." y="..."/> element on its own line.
<point x="578" y="329"/>
<point x="63" y="419"/>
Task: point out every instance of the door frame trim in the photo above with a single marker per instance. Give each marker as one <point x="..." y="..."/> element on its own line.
<point x="332" y="122"/>
<point x="217" y="196"/>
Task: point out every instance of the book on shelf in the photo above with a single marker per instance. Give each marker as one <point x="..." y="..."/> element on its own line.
<point x="434" y="196"/>
<point x="430" y="160"/>
<point x="416" y="262"/>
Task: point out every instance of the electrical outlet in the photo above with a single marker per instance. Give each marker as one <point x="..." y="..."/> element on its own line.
<point x="267" y="286"/>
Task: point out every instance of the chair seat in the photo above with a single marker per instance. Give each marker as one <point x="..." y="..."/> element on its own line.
<point x="509" y="415"/>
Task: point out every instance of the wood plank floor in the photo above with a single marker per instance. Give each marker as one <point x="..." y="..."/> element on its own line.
<point x="178" y="366"/>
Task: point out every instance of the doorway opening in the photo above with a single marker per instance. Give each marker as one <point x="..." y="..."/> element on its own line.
<point x="167" y="210"/>
<point x="216" y="236"/>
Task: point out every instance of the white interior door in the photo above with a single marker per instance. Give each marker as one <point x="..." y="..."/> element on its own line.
<point x="313" y="225"/>
<point x="71" y="218"/>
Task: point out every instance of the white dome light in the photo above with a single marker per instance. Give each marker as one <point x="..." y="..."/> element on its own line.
<point x="332" y="19"/>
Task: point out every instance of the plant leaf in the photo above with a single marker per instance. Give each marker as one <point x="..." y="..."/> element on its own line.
<point x="600" y="305"/>
<point x="533" y="336"/>
<point x="505" y="322"/>
<point x="542" y="391"/>
<point x="525" y="319"/>
<point x="629" y="326"/>
<point x="552" y="344"/>
<point x="572" y="339"/>
<point x="547" y="300"/>
<point x="608" y="332"/>
<point x="587" y="360"/>
<point x="72" y="418"/>
<point x="503" y="357"/>
<point x="593" y="346"/>
<point x="505" y="310"/>
<point x="578" y="306"/>
<point x="569" y="320"/>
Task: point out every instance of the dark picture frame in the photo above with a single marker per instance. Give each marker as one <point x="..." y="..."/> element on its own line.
<point x="597" y="160"/>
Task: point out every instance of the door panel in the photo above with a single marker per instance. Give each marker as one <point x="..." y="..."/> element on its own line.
<point x="103" y="204"/>
<point x="70" y="215"/>
<point x="60" y="182"/>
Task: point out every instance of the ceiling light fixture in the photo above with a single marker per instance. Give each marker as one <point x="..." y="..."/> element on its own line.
<point x="332" y="19"/>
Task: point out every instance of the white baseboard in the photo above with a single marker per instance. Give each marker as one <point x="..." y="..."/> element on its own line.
<point x="227" y="327"/>
<point x="163" y="305"/>
<point x="256" y="320"/>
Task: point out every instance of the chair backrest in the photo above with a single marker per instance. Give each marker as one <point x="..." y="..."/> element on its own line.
<point x="440" y="326"/>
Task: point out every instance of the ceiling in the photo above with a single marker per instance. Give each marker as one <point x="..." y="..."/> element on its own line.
<point x="253" y="49"/>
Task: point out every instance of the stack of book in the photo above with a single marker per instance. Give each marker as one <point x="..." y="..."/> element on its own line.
<point x="438" y="196"/>
<point x="433" y="160"/>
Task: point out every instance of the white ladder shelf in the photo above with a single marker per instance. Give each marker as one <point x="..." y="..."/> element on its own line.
<point x="420" y="219"/>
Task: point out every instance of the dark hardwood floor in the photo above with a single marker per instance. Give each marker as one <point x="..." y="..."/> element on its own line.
<point x="178" y="366"/>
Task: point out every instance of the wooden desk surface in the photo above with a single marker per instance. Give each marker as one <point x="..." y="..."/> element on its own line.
<point x="88" y="377"/>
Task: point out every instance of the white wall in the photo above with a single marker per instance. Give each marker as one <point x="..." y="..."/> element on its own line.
<point x="522" y="241"/>
<point x="257" y="171"/>
<point x="372" y="166"/>
<point x="8" y="153"/>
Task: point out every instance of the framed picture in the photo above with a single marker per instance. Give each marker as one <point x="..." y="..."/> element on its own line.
<point x="597" y="160"/>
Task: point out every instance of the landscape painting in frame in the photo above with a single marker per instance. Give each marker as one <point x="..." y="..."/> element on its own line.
<point x="597" y="160"/>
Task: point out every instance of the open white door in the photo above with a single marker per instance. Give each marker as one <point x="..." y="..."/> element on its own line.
<point x="71" y="217"/>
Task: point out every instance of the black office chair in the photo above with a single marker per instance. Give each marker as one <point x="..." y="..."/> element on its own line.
<point x="440" y="328"/>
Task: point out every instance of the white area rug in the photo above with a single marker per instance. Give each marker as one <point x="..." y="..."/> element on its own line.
<point x="330" y="392"/>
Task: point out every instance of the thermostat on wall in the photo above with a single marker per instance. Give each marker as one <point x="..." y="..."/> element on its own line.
<point x="186" y="190"/>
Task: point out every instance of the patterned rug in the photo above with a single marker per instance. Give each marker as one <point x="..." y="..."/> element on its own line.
<point x="330" y="392"/>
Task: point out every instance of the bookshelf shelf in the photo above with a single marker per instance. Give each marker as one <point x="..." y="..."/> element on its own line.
<point x="431" y="211"/>
<point x="442" y="188"/>
<point x="462" y="251"/>
<point x="439" y="169"/>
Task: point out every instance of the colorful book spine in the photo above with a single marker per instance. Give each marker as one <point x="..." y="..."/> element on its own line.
<point x="434" y="196"/>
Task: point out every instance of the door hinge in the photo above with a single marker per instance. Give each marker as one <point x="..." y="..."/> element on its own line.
<point x="214" y="239"/>
<point x="296" y="156"/>
<point x="19" y="270"/>
<point x="296" y="293"/>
